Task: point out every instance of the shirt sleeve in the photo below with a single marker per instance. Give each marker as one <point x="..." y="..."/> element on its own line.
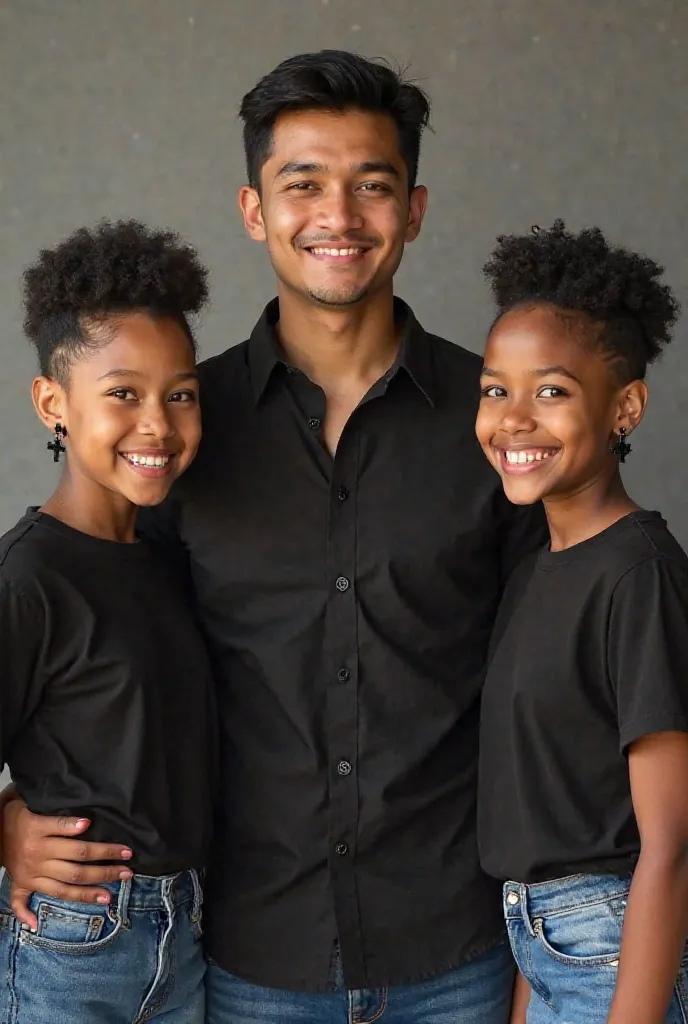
<point x="648" y="649"/>
<point x="523" y="530"/>
<point x="22" y="636"/>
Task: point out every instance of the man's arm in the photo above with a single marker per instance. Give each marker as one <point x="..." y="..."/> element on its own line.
<point x="44" y="854"/>
<point x="523" y="530"/>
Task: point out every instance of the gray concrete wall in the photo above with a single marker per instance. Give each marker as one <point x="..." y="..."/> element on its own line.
<point x="542" y="108"/>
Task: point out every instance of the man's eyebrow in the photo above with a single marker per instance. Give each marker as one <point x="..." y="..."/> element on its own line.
<point x="299" y="167"/>
<point x="377" y="167"/>
<point x="367" y="167"/>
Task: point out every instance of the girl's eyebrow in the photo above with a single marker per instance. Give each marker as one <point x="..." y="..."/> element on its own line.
<point x="545" y="371"/>
<point x="560" y="371"/>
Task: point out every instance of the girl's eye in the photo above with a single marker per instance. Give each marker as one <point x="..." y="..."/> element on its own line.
<point x="493" y="391"/>
<point x="124" y="394"/>
<point x="182" y="396"/>
<point x="552" y="392"/>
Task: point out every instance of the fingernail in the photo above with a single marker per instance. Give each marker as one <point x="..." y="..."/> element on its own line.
<point x="126" y="854"/>
<point x="103" y="899"/>
<point x="81" y="821"/>
<point x="125" y="874"/>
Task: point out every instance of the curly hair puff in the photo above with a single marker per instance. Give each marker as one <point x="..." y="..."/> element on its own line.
<point x="617" y="290"/>
<point x="99" y="273"/>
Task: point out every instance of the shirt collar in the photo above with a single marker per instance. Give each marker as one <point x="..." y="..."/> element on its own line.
<point x="414" y="356"/>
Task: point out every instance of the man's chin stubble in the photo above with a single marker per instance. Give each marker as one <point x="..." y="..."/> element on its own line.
<point x="335" y="300"/>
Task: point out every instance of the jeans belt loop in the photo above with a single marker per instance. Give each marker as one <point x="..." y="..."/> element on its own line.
<point x="123" y="901"/>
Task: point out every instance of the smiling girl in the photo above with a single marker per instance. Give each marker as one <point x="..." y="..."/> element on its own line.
<point x="584" y="745"/>
<point x="106" y="700"/>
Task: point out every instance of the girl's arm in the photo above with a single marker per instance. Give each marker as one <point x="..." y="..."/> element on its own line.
<point x="656" y="918"/>
<point x="520" y="1000"/>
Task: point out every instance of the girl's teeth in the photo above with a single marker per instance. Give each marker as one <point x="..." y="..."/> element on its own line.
<point x="154" y="461"/>
<point x="520" y="458"/>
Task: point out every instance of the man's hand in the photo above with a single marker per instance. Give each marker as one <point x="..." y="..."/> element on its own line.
<point x="47" y="855"/>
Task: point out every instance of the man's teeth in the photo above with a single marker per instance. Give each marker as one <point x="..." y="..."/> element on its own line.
<point x="337" y="252"/>
<point x="155" y="461"/>
<point x="518" y="458"/>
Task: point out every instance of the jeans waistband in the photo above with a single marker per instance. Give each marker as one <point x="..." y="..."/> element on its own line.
<point x="561" y="894"/>
<point x="144" y="892"/>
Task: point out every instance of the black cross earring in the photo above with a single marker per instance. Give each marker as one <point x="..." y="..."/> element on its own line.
<point x="621" y="447"/>
<point x="55" y="446"/>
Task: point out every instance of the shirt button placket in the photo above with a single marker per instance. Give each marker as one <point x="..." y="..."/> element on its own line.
<point x="341" y="660"/>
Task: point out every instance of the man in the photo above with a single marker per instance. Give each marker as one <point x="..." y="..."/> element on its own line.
<point x="347" y="545"/>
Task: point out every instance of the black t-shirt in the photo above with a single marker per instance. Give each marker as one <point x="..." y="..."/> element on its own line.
<point x="106" y="694"/>
<point x="589" y="653"/>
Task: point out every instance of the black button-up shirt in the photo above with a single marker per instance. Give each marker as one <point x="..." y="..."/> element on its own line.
<point x="348" y="604"/>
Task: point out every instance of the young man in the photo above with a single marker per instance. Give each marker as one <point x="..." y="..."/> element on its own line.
<point x="347" y="545"/>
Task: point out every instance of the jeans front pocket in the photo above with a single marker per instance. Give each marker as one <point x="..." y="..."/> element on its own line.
<point x="587" y="935"/>
<point x="65" y="927"/>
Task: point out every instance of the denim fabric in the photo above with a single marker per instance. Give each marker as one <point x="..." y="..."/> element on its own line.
<point x="479" y="992"/>
<point x="566" y="938"/>
<point x="139" y="959"/>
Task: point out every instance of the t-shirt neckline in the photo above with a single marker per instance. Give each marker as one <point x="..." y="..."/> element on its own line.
<point x="548" y="559"/>
<point x="94" y="545"/>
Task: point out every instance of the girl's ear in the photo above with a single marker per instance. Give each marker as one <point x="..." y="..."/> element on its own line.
<point x="631" y="406"/>
<point x="49" y="402"/>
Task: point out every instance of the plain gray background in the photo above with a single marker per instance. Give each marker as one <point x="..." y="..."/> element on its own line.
<point x="542" y="108"/>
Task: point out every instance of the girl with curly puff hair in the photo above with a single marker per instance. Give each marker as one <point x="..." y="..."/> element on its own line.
<point x="106" y="702"/>
<point x="584" y="744"/>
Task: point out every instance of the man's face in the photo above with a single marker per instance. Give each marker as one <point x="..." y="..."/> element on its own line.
<point x="334" y="205"/>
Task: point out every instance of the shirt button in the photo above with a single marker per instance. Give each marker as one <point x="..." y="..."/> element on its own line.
<point x="343" y="675"/>
<point x="342" y="583"/>
<point x="512" y="898"/>
<point x="343" y="493"/>
<point x="344" y="768"/>
<point x="314" y="423"/>
<point x="342" y="849"/>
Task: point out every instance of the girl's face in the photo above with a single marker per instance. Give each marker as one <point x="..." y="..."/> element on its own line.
<point x="550" y="406"/>
<point x="130" y="409"/>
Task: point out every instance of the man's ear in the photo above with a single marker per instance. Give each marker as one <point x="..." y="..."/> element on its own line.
<point x="252" y="212"/>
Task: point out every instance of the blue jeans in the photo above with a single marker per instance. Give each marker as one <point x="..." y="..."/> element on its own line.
<point x="139" y="958"/>
<point x="566" y="938"/>
<point x="479" y="992"/>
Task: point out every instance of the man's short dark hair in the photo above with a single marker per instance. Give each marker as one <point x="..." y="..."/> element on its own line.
<point x="332" y="80"/>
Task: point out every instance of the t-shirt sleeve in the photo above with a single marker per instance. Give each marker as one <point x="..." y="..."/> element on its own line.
<point x="22" y="637"/>
<point x="648" y="649"/>
<point x="523" y="530"/>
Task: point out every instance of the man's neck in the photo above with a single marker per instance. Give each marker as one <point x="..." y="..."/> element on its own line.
<point x="339" y="348"/>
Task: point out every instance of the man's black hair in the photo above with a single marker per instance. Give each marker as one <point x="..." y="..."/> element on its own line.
<point x="619" y="291"/>
<point x="333" y="80"/>
<point x="96" y="274"/>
